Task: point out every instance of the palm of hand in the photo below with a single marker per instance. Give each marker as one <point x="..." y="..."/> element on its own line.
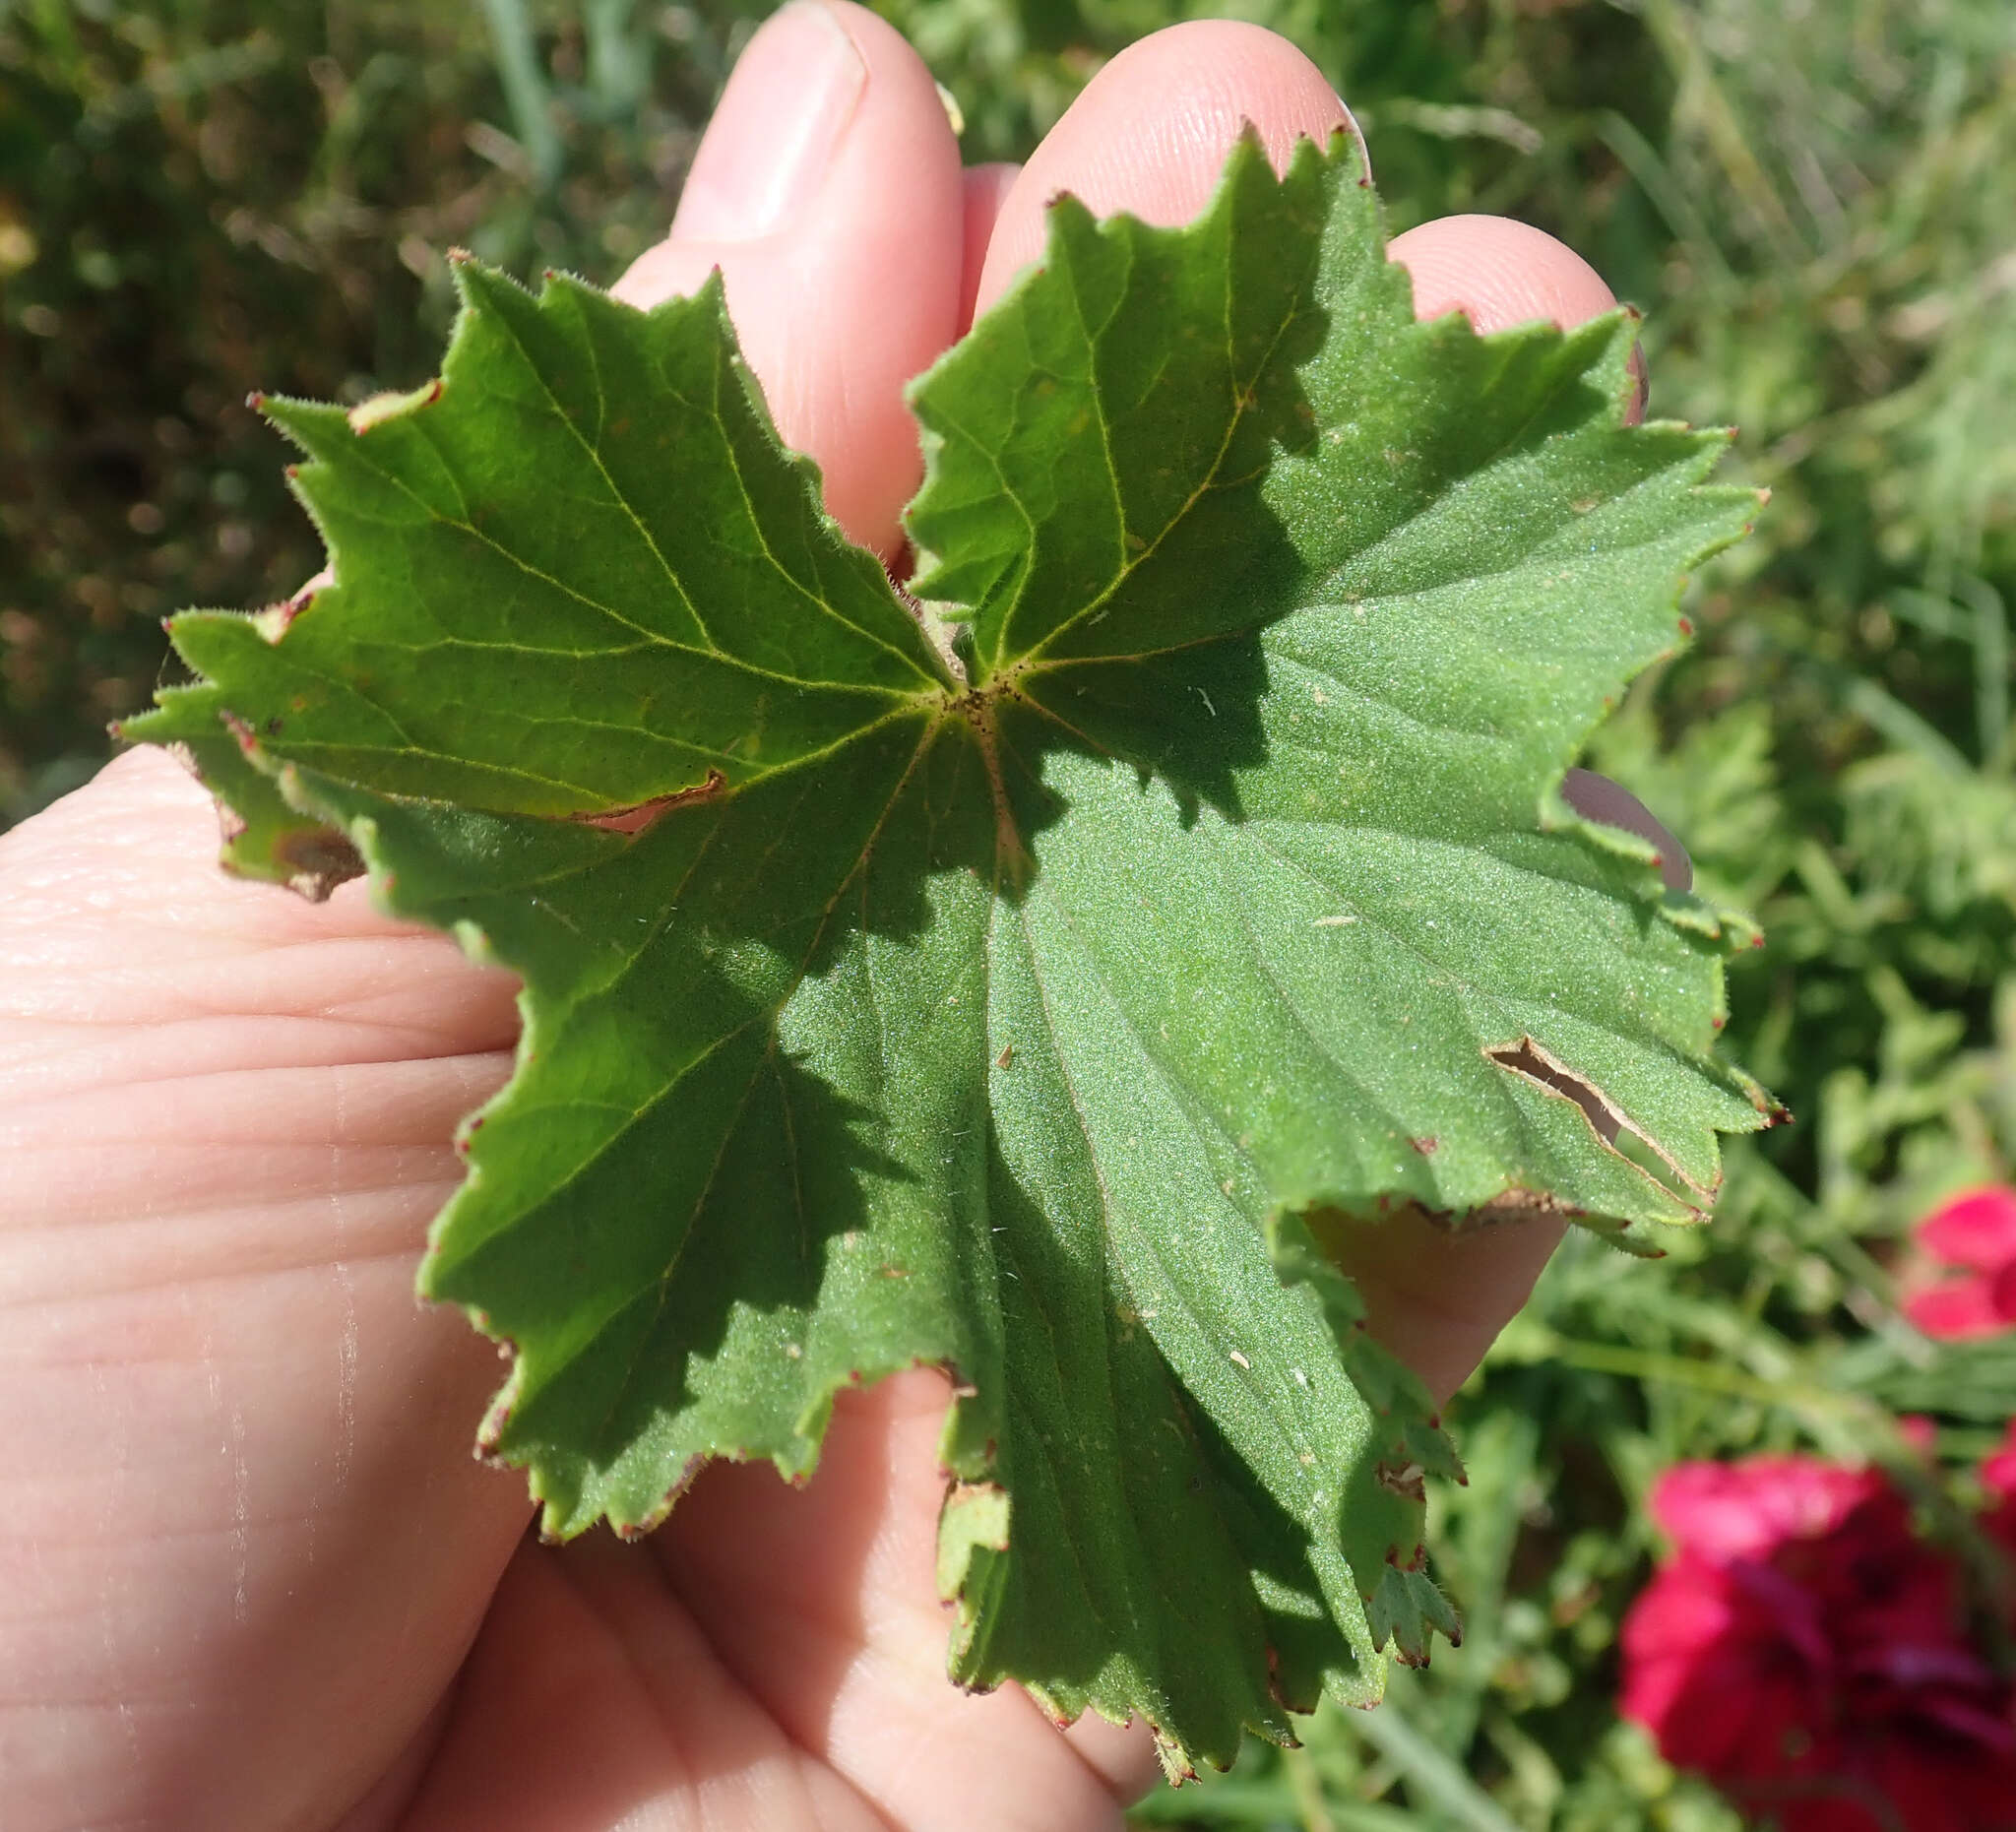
<point x="252" y="1576"/>
<point x="255" y="1523"/>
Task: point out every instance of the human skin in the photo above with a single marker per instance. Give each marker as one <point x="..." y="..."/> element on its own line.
<point x="250" y="1576"/>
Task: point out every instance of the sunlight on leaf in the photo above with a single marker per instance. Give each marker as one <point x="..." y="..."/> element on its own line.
<point x="1012" y="1023"/>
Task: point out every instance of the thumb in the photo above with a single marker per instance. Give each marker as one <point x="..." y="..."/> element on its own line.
<point x="826" y="191"/>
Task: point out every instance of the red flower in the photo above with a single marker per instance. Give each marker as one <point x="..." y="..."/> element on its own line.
<point x="1807" y="1651"/>
<point x="1998" y="1478"/>
<point x="1975" y="1234"/>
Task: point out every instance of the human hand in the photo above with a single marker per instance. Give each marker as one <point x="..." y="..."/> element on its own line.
<point x="250" y="1577"/>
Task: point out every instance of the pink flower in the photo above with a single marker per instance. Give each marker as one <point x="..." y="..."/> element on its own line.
<point x="1807" y="1651"/>
<point x="1973" y="1234"/>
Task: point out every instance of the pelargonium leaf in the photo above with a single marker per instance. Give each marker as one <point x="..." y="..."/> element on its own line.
<point x="1047" y="1024"/>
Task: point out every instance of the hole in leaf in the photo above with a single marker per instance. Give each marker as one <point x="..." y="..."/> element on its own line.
<point x="1611" y="1124"/>
<point x="319" y="859"/>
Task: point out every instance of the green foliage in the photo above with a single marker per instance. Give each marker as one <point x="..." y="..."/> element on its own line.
<point x="869" y="1050"/>
<point x="209" y="197"/>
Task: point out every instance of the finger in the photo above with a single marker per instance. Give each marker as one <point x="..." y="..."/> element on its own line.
<point x="1439" y="1297"/>
<point x="827" y="190"/>
<point x="987" y="190"/>
<point x="771" y="1657"/>
<point x="1150" y="131"/>
<point x="1499" y="273"/>
<point x="823" y="1603"/>
<point x="1436" y="1298"/>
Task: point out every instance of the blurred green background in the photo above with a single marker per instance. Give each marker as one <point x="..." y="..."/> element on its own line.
<point x="1816" y="203"/>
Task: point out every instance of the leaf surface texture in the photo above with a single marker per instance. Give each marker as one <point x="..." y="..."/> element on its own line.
<point x="1032" y="1023"/>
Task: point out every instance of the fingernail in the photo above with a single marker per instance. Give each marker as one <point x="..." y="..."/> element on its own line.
<point x="781" y="118"/>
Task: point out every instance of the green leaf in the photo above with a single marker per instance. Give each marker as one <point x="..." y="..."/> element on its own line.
<point x="1042" y="1024"/>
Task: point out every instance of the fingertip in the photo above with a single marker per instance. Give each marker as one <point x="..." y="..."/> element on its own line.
<point x="1499" y="273"/>
<point x="828" y="191"/>
<point x="987" y="190"/>
<point x="1121" y="1756"/>
<point x="1150" y="131"/>
<point x="1435" y="1294"/>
